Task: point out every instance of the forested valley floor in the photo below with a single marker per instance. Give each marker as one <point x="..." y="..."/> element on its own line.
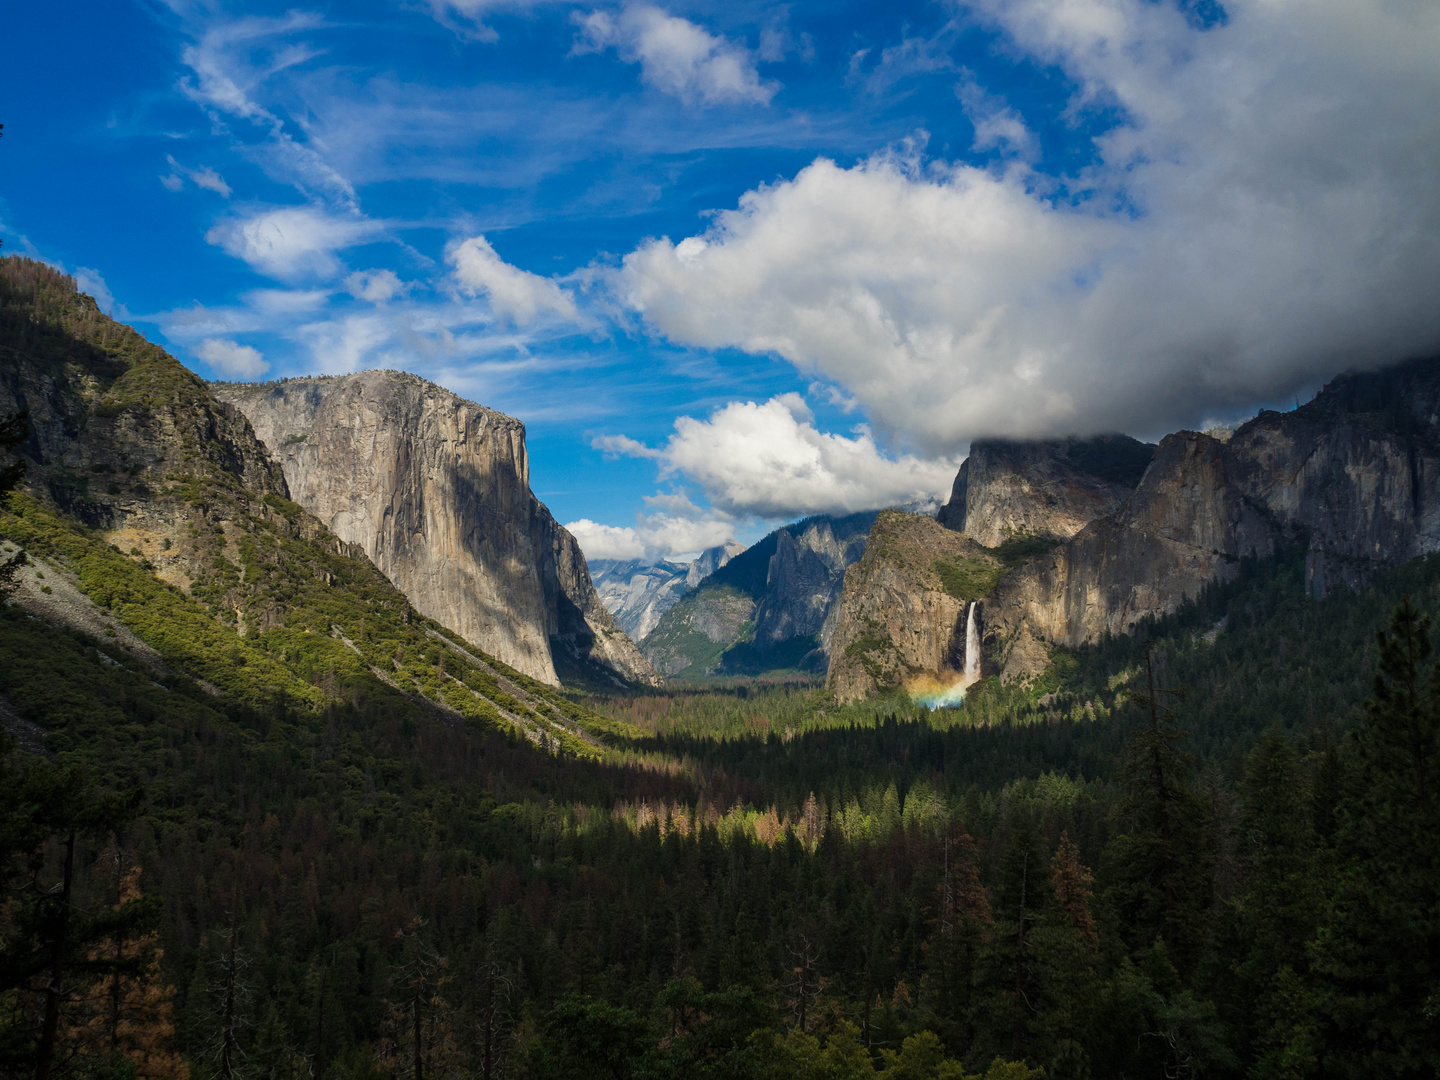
<point x="1209" y="848"/>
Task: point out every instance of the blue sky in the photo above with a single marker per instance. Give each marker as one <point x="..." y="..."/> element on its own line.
<point x="735" y="263"/>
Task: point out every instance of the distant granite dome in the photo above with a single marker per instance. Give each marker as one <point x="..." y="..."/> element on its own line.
<point x="637" y="592"/>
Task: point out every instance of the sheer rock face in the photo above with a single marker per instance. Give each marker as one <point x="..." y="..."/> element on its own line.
<point x="1354" y="475"/>
<point x="435" y="490"/>
<point x="804" y="582"/>
<point x="637" y="593"/>
<point x="897" y="616"/>
<point x="1049" y="489"/>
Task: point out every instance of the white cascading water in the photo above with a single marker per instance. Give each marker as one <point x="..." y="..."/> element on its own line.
<point x="935" y="695"/>
<point x="972" y="647"/>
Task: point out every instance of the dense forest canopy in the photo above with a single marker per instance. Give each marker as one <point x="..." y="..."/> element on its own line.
<point x="1205" y="848"/>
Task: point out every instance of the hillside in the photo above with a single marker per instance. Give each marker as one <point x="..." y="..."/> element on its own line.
<point x="160" y="506"/>
<point x="770" y="607"/>
<point x="435" y="490"/>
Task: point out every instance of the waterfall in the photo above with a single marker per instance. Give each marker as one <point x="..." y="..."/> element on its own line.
<point x="972" y="646"/>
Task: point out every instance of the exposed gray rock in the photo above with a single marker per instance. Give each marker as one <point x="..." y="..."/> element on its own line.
<point x="710" y="560"/>
<point x="435" y="490"/>
<point x="804" y="582"/>
<point x="1354" y="476"/>
<point x="637" y="593"/>
<point x="1048" y="489"/>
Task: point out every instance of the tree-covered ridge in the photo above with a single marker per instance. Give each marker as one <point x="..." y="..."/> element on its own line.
<point x="351" y="875"/>
<point x="908" y="872"/>
<point x="232" y="583"/>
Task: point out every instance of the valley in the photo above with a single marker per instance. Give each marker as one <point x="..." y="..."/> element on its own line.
<point x="308" y="665"/>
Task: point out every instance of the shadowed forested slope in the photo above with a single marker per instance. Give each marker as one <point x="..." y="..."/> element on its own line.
<point x="371" y="852"/>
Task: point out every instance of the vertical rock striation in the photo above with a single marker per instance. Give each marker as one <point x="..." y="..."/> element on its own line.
<point x="804" y="581"/>
<point x="902" y="611"/>
<point x="1353" y="476"/>
<point x="1047" y="489"/>
<point x="435" y="490"/>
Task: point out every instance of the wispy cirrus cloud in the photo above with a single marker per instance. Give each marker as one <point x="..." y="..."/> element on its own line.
<point x="204" y="177"/>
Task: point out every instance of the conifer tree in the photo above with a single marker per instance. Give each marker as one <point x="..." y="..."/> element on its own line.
<point x="1378" y="956"/>
<point x="129" y="1011"/>
<point x="48" y="951"/>
<point x="1159" y="863"/>
<point x="1281" y="904"/>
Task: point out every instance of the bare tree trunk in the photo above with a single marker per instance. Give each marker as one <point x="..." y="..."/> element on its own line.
<point x="45" y="1053"/>
<point x="228" y="1021"/>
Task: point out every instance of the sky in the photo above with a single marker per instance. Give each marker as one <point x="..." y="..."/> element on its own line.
<point x="735" y="263"/>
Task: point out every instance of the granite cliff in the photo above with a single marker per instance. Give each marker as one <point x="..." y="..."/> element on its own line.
<point x="436" y="491"/>
<point x="1353" y="477"/>
<point x="1048" y="489"/>
<point x="160" y="530"/>
<point x="637" y="593"/>
<point x="902" y="611"/>
<point x="770" y="607"/>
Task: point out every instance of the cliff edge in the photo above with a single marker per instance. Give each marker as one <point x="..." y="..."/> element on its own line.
<point x="436" y="491"/>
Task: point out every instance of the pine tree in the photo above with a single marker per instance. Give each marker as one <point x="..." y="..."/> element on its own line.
<point x="1378" y="957"/>
<point x="47" y="954"/>
<point x="1072" y="885"/>
<point x="130" y="1010"/>
<point x="420" y="1040"/>
<point x="1159" y="863"/>
<point x="1281" y="902"/>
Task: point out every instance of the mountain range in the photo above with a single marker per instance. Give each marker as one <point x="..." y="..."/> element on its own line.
<point x="156" y="519"/>
<point x="1062" y="543"/>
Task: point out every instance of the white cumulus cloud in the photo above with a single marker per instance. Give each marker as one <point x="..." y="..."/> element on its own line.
<point x="377" y="286"/>
<point x="770" y="461"/>
<point x="606" y="541"/>
<point x="514" y="294"/>
<point x="232" y="360"/>
<point x="675" y="535"/>
<point x="1267" y="213"/>
<point x="292" y="242"/>
<point x="676" y="56"/>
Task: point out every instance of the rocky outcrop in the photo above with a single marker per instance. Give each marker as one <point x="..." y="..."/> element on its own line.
<point x="1045" y="489"/>
<point x="435" y="490"/>
<point x="768" y="608"/>
<point x="804" y="580"/>
<point x="586" y="645"/>
<point x="125" y="439"/>
<point x="637" y="593"/>
<point x="902" y="612"/>
<point x="1354" y="476"/>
